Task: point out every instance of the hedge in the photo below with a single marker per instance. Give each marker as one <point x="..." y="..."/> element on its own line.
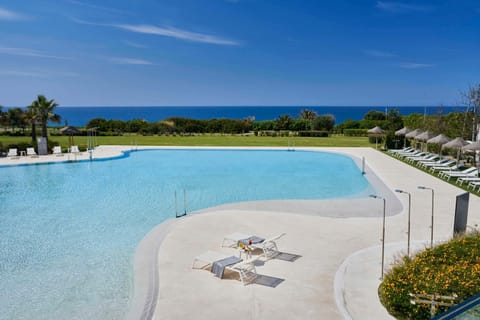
<point x="355" y="132"/>
<point x="313" y="134"/>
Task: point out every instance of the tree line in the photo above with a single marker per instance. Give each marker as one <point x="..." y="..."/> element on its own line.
<point x="39" y="113"/>
<point x="456" y="124"/>
<point x="308" y="120"/>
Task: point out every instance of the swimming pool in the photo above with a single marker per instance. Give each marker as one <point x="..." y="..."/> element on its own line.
<point x="68" y="231"/>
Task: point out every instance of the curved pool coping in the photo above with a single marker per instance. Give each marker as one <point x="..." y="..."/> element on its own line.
<point x="143" y="304"/>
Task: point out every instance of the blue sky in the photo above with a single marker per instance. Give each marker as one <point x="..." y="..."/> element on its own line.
<point x="238" y="52"/>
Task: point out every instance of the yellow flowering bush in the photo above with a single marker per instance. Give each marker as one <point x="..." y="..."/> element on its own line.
<point x="447" y="269"/>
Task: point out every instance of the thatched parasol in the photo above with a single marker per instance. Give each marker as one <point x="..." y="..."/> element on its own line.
<point x="71" y="131"/>
<point x="424" y="136"/>
<point x="414" y="133"/>
<point x="456" y="143"/>
<point x="376" y="132"/>
<point x="440" y="140"/>
<point x="402" y="131"/>
<point x="474" y="146"/>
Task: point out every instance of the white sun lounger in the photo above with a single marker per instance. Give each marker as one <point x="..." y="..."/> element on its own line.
<point x="234" y="238"/>
<point x="74" y="149"/>
<point x="269" y="246"/>
<point x="440" y="162"/>
<point x="470" y="172"/>
<point x="57" y="150"/>
<point x="31" y="152"/>
<point x="246" y="268"/>
<point x="12" y="153"/>
<point x="474" y="184"/>
<point x="467" y="179"/>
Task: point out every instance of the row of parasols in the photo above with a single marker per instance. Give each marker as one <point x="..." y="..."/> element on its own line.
<point x="426" y="136"/>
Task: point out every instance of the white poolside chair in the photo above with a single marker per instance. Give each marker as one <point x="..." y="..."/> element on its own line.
<point x="461" y="181"/>
<point x="57" y="150"/>
<point x="31" y="152"/>
<point x="232" y="239"/>
<point x="474" y="184"/>
<point x="13" y="153"/>
<point x="245" y="269"/>
<point x="470" y="172"/>
<point x="439" y="162"/>
<point x="269" y="246"/>
<point x="74" y="149"/>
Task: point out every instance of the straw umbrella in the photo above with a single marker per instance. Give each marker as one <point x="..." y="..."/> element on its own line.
<point x="71" y="131"/>
<point x="376" y="132"/>
<point x="456" y="143"/>
<point x="413" y="134"/>
<point x="474" y="146"/>
<point x="403" y="132"/>
<point x="440" y="140"/>
<point x="423" y="137"/>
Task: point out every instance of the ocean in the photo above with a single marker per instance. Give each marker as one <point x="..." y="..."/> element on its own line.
<point x="79" y="116"/>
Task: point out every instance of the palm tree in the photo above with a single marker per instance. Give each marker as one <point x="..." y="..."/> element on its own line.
<point x="31" y="118"/>
<point x="44" y="110"/>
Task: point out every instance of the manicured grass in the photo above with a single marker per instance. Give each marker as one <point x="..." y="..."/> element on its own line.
<point x="435" y="174"/>
<point x="206" y="140"/>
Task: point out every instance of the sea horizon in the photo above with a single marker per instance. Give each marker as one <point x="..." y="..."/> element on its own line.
<point x="80" y="115"/>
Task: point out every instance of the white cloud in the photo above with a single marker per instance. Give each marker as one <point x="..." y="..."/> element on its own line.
<point x="123" y="60"/>
<point x="93" y="6"/>
<point x="29" y="53"/>
<point x="135" y="44"/>
<point x="38" y="73"/>
<point x="177" y="33"/>
<point x="412" y="65"/>
<point x="166" y="32"/>
<point x="379" y="54"/>
<point x="401" y="7"/>
<point x="10" y="15"/>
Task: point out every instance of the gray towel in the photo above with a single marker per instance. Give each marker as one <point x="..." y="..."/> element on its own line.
<point x="252" y="240"/>
<point x="218" y="267"/>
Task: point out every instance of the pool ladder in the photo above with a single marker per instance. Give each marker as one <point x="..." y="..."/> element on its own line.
<point x="184" y="205"/>
<point x="291" y="146"/>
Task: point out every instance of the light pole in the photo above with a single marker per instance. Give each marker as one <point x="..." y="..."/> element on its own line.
<point x="383" y="230"/>
<point x="433" y="207"/>
<point x="409" y="211"/>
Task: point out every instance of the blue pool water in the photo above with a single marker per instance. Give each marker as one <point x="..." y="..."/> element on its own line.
<point x="68" y="231"/>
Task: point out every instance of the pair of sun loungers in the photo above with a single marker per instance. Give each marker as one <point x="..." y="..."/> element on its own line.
<point x="246" y="269"/>
<point x="30" y="152"/>
<point x="13" y="153"/>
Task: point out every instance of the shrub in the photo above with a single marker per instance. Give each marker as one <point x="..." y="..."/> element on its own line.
<point x="355" y="132"/>
<point x="447" y="269"/>
<point x="313" y="133"/>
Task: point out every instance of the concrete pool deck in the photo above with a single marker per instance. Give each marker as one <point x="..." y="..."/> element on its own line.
<point x="337" y="272"/>
<point x="336" y="242"/>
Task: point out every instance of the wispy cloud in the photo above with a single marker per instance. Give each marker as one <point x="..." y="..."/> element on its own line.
<point x="29" y="53"/>
<point x="177" y="33"/>
<point x="401" y="7"/>
<point x="96" y="7"/>
<point x="134" y="61"/>
<point x="412" y="65"/>
<point x="11" y="15"/>
<point x="169" y="32"/>
<point x="379" y="54"/>
<point x="135" y="44"/>
<point x="38" y="73"/>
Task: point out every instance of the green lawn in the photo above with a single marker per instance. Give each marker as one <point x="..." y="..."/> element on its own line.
<point x="206" y="140"/>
